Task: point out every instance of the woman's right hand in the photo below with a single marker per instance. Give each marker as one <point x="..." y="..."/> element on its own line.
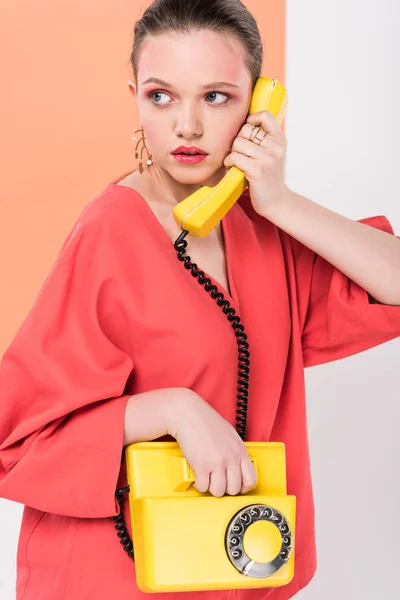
<point x="212" y="447"/>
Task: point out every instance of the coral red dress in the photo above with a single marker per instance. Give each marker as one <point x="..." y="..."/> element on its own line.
<point x="118" y="314"/>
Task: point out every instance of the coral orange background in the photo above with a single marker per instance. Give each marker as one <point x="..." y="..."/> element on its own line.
<point x="67" y="123"/>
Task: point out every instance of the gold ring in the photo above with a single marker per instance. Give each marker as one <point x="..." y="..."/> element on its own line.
<point x="254" y="137"/>
<point x="258" y="139"/>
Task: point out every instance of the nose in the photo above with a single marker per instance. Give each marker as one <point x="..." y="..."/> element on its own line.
<point x="188" y="125"/>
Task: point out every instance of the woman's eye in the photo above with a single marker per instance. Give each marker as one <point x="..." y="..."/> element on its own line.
<point x="153" y="97"/>
<point x="219" y="94"/>
<point x="153" y="94"/>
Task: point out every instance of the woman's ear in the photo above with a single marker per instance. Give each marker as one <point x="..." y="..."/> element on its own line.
<point x="132" y="87"/>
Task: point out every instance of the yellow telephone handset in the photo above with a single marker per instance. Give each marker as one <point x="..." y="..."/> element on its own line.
<point x="200" y="212"/>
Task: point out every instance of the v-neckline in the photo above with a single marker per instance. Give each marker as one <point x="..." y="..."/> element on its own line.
<point x="169" y="244"/>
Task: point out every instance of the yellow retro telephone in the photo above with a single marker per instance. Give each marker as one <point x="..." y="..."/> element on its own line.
<point x="183" y="539"/>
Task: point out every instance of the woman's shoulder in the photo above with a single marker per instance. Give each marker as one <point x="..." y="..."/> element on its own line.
<point x="111" y="203"/>
<point x="106" y="223"/>
<point x="113" y="210"/>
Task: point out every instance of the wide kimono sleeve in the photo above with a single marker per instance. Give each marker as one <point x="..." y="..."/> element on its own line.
<point x="338" y="318"/>
<point x="62" y="381"/>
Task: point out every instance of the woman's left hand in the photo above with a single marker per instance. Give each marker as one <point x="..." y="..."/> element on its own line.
<point x="263" y="162"/>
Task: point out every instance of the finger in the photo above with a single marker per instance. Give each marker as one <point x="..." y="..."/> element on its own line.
<point x="248" y="133"/>
<point x="218" y="482"/>
<point x="245" y="146"/>
<point x="267" y="121"/>
<point x="245" y="163"/>
<point x="248" y="148"/>
<point x="202" y="481"/>
<point x="233" y="479"/>
<point x="249" y="477"/>
<point x="258" y="137"/>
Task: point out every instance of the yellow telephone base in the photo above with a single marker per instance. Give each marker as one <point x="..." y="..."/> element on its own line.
<point x="185" y="540"/>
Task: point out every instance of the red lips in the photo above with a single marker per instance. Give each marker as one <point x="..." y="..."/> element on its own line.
<point x="191" y="149"/>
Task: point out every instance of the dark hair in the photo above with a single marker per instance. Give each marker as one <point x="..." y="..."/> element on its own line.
<point x="184" y="16"/>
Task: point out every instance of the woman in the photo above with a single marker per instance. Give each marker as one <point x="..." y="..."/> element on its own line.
<point x="122" y="344"/>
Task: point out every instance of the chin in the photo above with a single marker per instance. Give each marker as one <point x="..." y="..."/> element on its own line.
<point x="197" y="174"/>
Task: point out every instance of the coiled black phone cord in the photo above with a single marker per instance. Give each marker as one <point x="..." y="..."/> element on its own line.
<point x="180" y="246"/>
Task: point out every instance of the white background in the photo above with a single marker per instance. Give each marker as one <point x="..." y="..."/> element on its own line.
<point x="343" y="130"/>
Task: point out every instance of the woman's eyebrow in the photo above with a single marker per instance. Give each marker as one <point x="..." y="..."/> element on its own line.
<point x="204" y="87"/>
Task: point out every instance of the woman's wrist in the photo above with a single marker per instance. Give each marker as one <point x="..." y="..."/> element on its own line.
<point x="153" y="414"/>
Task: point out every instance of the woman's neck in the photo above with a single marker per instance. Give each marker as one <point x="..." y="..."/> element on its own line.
<point x="158" y="181"/>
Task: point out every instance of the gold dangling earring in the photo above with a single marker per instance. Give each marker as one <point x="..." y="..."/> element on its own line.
<point x="149" y="158"/>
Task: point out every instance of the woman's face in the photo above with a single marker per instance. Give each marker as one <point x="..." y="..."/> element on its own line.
<point x="186" y="110"/>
